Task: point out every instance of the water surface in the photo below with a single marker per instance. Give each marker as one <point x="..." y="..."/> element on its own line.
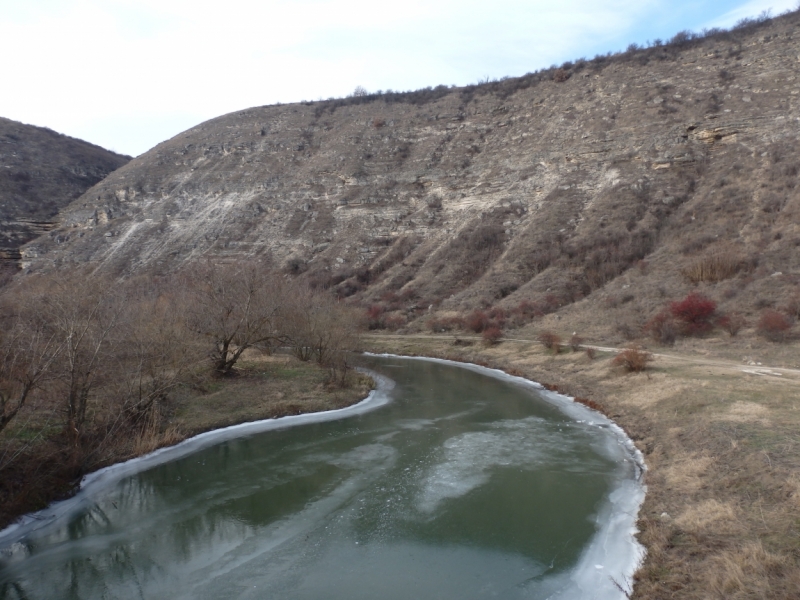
<point x="462" y="486"/>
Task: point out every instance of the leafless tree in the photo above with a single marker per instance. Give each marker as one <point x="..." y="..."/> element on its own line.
<point x="236" y="306"/>
<point x="319" y="327"/>
<point x="27" y="351"/>
<point x="154" y="348"/>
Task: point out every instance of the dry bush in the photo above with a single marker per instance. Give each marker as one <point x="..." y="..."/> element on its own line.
<point x="375" y="316"/>
<point x="575" y="342"/>
<point x="394" y="322"/>
<point x="551" y="341"/>
<point x="774" y="325"/>
<point x="662" y="329"/>
<point x="492" y="336"/>
<point x="560" y="75"/>
<point x="442" y="324"/>
<point x="627" y="330"/>
<point x="714" y="266"/>
<point x="633" y="360"/>
<point x="793" y="306"/>
<point x="476" y="321"/>
<point x="732" y="323"/>
<point x="591" y="353"/>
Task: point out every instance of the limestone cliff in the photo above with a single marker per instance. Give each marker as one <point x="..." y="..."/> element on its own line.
<point x="550" y="187"/>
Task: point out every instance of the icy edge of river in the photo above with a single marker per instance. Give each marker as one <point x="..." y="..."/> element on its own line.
<point x="97" y="481"/>
<point x="606" y="567"/>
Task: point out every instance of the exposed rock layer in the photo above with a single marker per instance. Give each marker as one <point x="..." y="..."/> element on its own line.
<point x="548" y="187"/>
<point x="41" y="172"/>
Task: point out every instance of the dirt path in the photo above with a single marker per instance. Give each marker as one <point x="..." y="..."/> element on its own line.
<point x="751" y="367"/>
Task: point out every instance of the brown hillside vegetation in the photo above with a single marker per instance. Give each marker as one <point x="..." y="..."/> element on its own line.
<point x="41" y="172"/>
<point x="656" y="169"/>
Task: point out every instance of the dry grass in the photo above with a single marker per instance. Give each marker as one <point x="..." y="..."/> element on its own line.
<point x="751" y="572"/>
<point x="708" y="516"/>
<point x="714" y="266"/>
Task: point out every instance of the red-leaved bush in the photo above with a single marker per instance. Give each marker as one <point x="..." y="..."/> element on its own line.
<point x="774" y="325"/>
<point x="695" y="313"/>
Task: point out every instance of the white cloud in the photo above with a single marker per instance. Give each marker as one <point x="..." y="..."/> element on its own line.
<point x="751" y="9"/>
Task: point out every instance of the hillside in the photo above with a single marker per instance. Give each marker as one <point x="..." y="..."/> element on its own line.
<point x="41" y="172"/>
<point x="626" y="179"/>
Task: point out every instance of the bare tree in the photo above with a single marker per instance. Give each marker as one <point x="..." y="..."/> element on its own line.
<point x="155" y="348"/>
<point x="81" y="312"/>
<point x="318" y="326"/>
<point x="27" y="351"/>
<point x="236" y="306"/>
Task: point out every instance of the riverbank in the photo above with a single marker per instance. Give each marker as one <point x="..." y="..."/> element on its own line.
<point x="720" y="519"/>
<point x="267" y="387"/>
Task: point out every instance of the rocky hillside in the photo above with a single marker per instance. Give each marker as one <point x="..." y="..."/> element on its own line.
<point x="628" y="179"/>
<point x="41" y="172"/>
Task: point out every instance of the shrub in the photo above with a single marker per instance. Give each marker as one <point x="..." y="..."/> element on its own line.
<point x="626" y="330"/>
<point x="731" y="323"/>
<point x="476" y="321"/>
<point x="575" y="342"/>
<point x="393" y="322"/>
<point x="492" y="335"/>
<point x="661" y="328"/>
<point x="695" y="312"/>
<point x="774" y="325"/>
<point x="445" y="323"/>
<point x="550" y="340"/>
<point x="374" y="316"/>
<point x="713" y="267"/>
<point x="591" y="353"/>
<point x="561" y="75"/>
<point x="632" y="360"/>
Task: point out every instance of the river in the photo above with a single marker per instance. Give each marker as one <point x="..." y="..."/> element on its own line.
<point x="448" y="482"/>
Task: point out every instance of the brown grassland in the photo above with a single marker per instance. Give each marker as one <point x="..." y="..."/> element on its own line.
<point x="719" y="436"/>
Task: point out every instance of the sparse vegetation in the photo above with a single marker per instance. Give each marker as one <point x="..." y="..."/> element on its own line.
<point x="632" y="360"/>
<point x="551" y="341"/>
<point x="774" y="325"/>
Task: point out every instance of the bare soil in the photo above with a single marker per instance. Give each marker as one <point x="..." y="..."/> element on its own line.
<point x="721" y="518"/>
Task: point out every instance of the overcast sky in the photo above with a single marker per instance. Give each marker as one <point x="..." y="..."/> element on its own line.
<point x="127" y="74"/>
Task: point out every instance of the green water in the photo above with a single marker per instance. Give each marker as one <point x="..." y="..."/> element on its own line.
<point x="463" y="486"/>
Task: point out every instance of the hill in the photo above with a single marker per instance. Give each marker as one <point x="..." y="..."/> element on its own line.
<point x="628" y="179"/>
<point x="41" y="172"/>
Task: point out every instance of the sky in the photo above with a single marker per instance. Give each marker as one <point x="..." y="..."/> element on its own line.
<point x="128" y="74"/>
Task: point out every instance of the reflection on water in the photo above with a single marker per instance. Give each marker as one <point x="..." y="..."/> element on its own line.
<point x="464" y="486"/>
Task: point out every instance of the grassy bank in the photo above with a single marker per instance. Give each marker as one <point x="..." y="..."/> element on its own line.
<point x="265" y="387"/>
<point x="722" y="515"/>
